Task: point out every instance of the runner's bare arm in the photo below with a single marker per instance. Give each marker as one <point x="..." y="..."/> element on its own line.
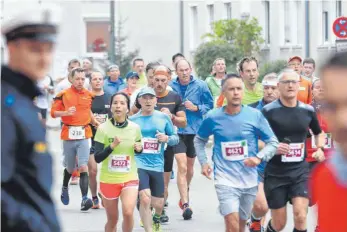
<point x="320" y="139"/>
<point x="180" y="119"/>
<point x="261" y="145"/>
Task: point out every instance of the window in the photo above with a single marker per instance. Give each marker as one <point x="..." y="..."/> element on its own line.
<point x="227" y="10"/>
<point x="287" y="22"/>
<point x="267" y="21"/>
<point x="193" y="27"/>
<point x="325" y="26"/>
<point x="338" y="8"/>
<point x="210" y="17"/>
<point x="98" y="36"/>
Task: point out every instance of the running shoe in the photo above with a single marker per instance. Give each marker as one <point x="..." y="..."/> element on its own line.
<point x="180" y="204"/>
<point x="164" y="218"/>
<point x="96" y="204"/>
<point x="141" y="223"/>
<point x="86" y="204"/>
<point x="317" y="229"/>
<point x="254" y="226"/>
<point x="172" y="175"/>
<point x="187" y="212"/>
<point x="166" y="204"/>
<point x="65" y="199"/>
<point x="74" y="180"/>
<point x="156" y="227"/>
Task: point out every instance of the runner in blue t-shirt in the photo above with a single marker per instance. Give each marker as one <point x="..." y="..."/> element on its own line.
<point x="157" y="129"/>
<point x="236" y="130"/>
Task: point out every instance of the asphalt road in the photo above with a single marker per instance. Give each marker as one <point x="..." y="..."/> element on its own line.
<point x="203" y="201"/>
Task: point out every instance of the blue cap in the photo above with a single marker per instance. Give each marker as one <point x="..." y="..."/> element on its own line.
<point x="131" y="75"/>
<point x="146" y="91"/>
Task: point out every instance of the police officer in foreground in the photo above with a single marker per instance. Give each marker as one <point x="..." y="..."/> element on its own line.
<point x="26" y="165"/>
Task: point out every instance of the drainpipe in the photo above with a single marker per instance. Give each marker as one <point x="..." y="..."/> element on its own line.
<point x="181" y="27"/>
<point x="307" y="28"/>
<point x="112" y="33"/>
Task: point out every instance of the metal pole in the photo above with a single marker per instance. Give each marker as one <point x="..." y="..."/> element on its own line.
<point x="182" y="26"/>
<point x="307" y="28"/>
<point x="112" y="33"/>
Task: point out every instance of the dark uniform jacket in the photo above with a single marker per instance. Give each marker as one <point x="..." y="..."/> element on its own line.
<point x="26" y="165"/>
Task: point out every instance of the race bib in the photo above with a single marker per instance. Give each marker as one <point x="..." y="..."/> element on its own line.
<point x="302" y="88"/>
<point x="296" y="153"/>
<point x="151" y="145"/>
<point x="235" y="151"/>
<point x="119" y="163"/>
<point x="101" y="118"/>
<point x="77" y="132"/>
<point x="328" y="141"/>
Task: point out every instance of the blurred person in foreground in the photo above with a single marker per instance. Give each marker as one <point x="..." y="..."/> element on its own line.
<point x="329" y="179"/>
<point x="26" y="165"/>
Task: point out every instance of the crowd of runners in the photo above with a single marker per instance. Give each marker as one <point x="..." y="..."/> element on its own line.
<point x="268" y="138"/>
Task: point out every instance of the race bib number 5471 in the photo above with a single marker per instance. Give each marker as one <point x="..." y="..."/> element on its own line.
<point x="235" y="151"/>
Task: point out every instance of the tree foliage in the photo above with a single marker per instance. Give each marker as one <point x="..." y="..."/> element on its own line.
<point x="123" y="59"/>
<point x="231" y="39"/>
<point x="273" y="66"/>
<point x="243" y="34"/>
<point x="206" y="53"/>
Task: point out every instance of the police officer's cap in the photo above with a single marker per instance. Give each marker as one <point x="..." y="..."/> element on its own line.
<point x="39" y="24"/>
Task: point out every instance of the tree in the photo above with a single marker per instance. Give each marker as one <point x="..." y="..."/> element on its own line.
<point x="123" y="59"/>
<point x="243" y="34"/>
<point x="206" y="53"/>
<point x="270" y="67"/>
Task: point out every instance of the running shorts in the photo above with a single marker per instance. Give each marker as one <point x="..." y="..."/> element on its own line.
<point x="281" y="189"/>
<point x="113" y="191"/>
<point x="151" y="180"/>
<point x="186" y="145"/>
<point x="236" y="200"/>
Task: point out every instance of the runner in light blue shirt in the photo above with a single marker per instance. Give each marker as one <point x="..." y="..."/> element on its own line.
<point x="157" y="130"/>
<point x="236" y="130"/>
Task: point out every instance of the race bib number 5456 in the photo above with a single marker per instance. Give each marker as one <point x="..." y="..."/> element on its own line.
<point x="235" y="151"/>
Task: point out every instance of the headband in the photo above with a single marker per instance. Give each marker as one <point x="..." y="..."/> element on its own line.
<point x="269" y="83"/>
<point x="160" y="72"/>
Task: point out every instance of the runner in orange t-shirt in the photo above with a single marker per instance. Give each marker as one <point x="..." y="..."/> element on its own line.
<point x="305" y="90"/>
<point x="73" y="105"/>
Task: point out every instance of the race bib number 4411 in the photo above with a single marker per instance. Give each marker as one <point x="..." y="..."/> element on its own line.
<point x="151" y="146"/>
<point x="119" y="163"/>
<point x="296" y="153"/>
<point x="235" y="151"/>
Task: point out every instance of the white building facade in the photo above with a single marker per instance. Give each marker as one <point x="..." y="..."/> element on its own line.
<point x="154" y="27"/>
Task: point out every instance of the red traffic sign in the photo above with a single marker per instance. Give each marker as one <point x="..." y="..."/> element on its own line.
<point x="340" y="27"/>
